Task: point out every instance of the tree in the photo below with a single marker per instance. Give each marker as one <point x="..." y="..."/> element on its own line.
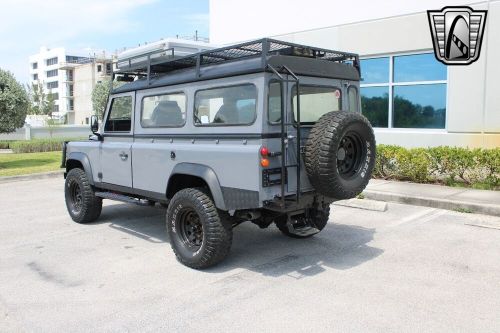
<point x="14" y="103"/>
<point x="41" y="102"/>
<point x="37" y="98"/>
<point x="100" y="98"/>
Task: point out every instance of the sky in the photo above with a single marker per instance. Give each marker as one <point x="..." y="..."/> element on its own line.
<point x="89" y="26"/>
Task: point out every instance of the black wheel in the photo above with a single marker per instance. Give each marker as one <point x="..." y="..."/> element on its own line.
<point x="83" y="206"/>
<point x="319" y="218"/>
<point x="340" y="154"/>
<point x="199" y="234"/>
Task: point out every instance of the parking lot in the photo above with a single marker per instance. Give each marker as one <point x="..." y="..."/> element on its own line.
<point x="407" y="269"/>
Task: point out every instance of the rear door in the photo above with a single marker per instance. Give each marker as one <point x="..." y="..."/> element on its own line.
<point x="317" y="97"/>
<point x="116" y="152"/>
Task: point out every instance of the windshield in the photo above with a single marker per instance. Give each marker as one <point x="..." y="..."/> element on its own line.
<point x="315" y="101"/>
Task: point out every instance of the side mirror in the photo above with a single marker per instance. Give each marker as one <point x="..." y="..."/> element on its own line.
<point x="94" y="124"/>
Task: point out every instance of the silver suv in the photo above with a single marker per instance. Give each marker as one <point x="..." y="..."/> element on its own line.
<point x="266" y="131"/>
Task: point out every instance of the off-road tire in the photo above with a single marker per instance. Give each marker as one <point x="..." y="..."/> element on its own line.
<point x="320" y="221"/>
<point x="216" y="229"/>
<point x="346" y="135"/>
<point x="82" y="204"/>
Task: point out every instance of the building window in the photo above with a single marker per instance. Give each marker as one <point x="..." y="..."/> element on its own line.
<point x="35" y="77"/>
<point x="52" y="73"/>
<point x="70" y="90"/>
<point x="52" y="85"/>
<point x="34" y="65"/>
<point x="51" y="61"/>
<point x="405" y="91"/>
<point x="71" y="105"/>
<point x="54" y="96"/>
<point x="70" y="75"/>
<point x="56" y="108"/>
<point x="99" y="68"/>
<point x="108" y="69"/>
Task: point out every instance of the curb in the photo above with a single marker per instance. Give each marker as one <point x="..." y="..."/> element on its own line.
<point x="33" y="176"/>
<point x="367" y="204"/>
<point x="487" y="209"/>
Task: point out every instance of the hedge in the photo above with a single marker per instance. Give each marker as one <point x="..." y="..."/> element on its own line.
<point x="449" y="165"/>
<point x="38" y="145"/>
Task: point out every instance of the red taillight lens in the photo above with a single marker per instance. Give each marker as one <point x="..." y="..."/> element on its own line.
<point x="264" y="151"/>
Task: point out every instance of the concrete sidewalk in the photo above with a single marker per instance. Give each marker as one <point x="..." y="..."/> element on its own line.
<point x="437" y="196"/>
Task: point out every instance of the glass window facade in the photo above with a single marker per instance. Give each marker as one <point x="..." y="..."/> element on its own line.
<point x="405" y="91"/>
<point x="51" y="61"/>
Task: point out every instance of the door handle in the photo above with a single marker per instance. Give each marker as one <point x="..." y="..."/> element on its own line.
<point x="123" y="156"/>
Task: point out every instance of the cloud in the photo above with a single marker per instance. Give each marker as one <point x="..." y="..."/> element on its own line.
<point x="197" y="20"/>
<point x="25" y="25"/>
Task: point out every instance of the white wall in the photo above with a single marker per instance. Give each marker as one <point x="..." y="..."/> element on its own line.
<point x="232" y="21"/>
<point x="473" y="108"/>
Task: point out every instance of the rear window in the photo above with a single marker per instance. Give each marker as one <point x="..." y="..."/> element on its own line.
<point x="235" y="105"/>
<point x="315" y="101"/>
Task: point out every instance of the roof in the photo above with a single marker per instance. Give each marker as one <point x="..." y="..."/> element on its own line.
<point x="250" y="57"/>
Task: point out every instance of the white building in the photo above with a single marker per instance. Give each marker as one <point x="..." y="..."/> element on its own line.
<point x="70" y="78"/>
<point x="458" y="105"/>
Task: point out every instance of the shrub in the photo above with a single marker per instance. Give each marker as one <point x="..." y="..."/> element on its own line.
<point x="5" y="144"/>
<point x="38" y="145"/>
<point x="478" y="167"/>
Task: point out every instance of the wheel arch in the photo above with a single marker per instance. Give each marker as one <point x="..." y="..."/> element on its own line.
<point x="79" y="160"/>
<point x="189" y="175"/>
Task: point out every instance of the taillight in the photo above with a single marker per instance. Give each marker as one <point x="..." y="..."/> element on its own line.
<point x="264" y="152"/>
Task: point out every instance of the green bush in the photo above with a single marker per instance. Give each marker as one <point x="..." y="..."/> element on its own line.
<point x="478" y="167"/>
<point x="38" y="145"/>
<point x="5" y="144"/>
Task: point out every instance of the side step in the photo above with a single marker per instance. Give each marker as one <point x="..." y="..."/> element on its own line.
<point x="124" y="198"/>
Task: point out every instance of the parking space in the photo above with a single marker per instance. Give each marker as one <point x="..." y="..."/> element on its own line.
<point x="409" y="268"/>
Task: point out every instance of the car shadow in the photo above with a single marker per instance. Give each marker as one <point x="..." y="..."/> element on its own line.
<point x="339" y="246"/>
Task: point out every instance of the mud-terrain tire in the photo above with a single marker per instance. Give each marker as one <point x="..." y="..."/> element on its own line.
<point x="320" y="221"/>
<point x="340" y="154"/>
<point x="82" y="204"/>
<point x="200" y="235"/>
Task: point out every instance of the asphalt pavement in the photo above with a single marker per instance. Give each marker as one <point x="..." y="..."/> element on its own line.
<point x="407" y="268"/>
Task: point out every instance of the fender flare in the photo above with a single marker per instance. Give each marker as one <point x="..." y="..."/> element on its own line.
<point x="84" y="160"/>
<point x="207" y="174"/>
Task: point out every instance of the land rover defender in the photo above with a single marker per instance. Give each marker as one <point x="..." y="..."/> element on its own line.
<point x="264" y="131"/>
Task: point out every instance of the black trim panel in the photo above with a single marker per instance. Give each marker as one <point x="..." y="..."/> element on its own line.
<point x="132" y="191"/>
<point x="210" y="136"/>
<point x="236" y="198"/>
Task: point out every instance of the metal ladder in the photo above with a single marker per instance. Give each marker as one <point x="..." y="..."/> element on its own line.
<point x="284" y="138"/>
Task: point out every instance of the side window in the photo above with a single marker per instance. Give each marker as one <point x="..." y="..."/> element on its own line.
<point x="234" y="105"/>
<point x="352" y="94"/>
<point x="164" y="110"/>
<point x="274" y="102"/>
<point x="120" y="115"/>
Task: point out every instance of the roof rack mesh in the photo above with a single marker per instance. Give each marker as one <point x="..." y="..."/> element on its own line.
<point x="254" y="49"/>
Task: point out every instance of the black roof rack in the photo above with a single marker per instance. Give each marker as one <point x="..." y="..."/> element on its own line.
<point x="165" y="61"/>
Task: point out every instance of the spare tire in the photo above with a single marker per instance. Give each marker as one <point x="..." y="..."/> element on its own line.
<point x="340" y="154"/>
